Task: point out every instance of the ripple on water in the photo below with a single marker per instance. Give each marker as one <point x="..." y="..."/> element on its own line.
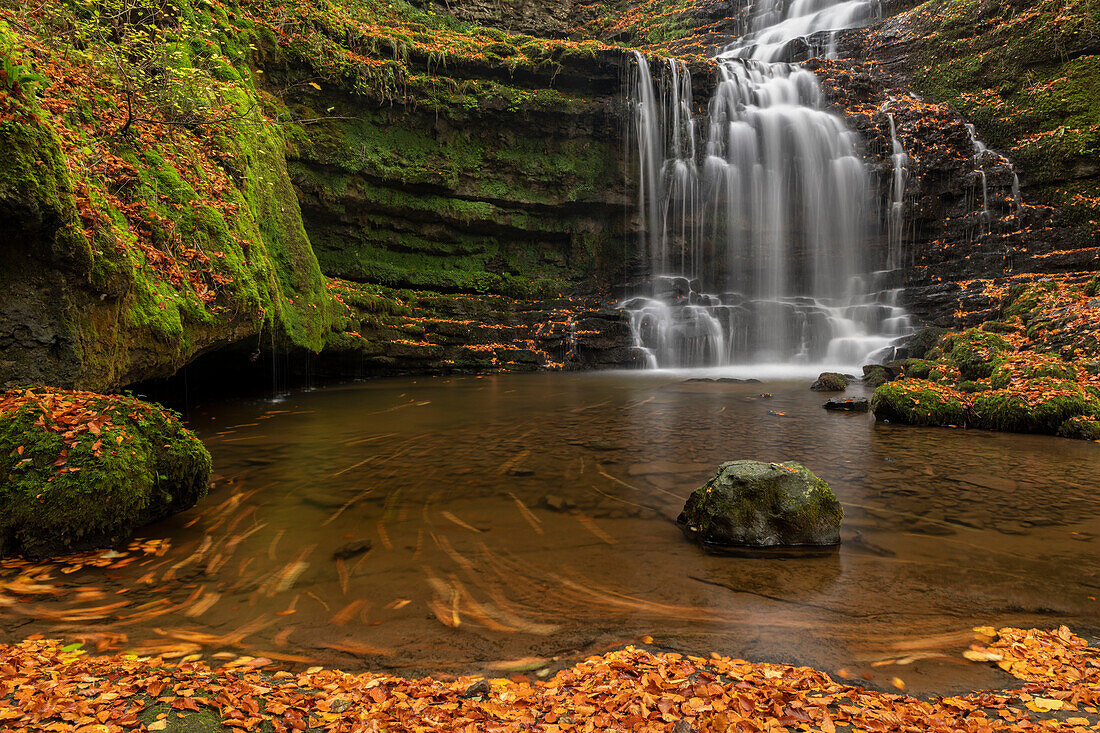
<point x="512" y="520"/>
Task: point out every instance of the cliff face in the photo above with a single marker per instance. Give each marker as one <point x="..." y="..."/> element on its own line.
<point x="220" y="172"/>
<point x="1025" y="75"/>
<point x="188" y="179"/>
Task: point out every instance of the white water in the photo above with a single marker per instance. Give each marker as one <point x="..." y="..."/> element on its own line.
<point x="982" y="155"/>
<point x="757" y="236"/>
<point x="776" y="24"/>
<point x="896" y="212"/>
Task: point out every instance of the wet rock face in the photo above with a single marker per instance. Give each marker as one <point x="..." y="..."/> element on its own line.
<point x="972" y="216"/>
<point x="755" y="504"/>
<point x="830" y="382"/>
<point x="850" y="404"/>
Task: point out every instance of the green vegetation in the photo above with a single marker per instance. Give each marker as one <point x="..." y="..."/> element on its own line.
<point x="153" y="140"/>
<point x="1028" y="76"/>
<point x="84" y="470"/>
<point x="1022" y="380"/>
<point x="916" y="402"/>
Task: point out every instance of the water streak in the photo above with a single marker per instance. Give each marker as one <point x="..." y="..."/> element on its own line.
<point x="896" y="212"/>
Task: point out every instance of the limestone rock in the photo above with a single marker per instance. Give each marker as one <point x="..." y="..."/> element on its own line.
<point x="755" y="504"/>
<point x="90" y="477"/>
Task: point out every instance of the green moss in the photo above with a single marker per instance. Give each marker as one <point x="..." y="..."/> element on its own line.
<point x="917" y="402"/>
<point x="918" y="368"/>
<point x="1043" y="409"/>
<point x="1082" y="427"/>
<point x="762" y="504"/>
<point x="1034" y="366"/>
<point x="976" y="353"/>
<point x="1024" y="299"/>
<point x="35" y="183"/>
<point x="830" y="382"/>
<point x="138" y="466"/>
<point x="1029" y="80"/>
<point x="187" y="721"/>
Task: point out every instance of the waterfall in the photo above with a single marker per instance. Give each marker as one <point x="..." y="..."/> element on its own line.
<point x="981" y="155"/>
<point x="777" y="24"/>
<point x="896" y="213"/>
<point x="757" y="237"/>
<point x="1018" y="202"/>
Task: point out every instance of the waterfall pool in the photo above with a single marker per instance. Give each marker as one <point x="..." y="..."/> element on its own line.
<point x="519" y="522"/>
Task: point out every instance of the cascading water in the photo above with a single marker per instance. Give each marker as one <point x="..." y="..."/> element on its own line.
<point x="775" y="24"/>
<point x="895" y="215"/>
<point x="983" y="155"/>
<point x="757" y="245"/>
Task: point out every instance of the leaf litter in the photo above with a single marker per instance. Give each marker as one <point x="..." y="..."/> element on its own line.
<point x="45" y="686"/>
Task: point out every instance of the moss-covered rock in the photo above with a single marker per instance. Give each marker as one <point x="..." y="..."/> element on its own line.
<point x="1082" y="427"/>
<point x="1042" y="407"/>
<point x="918" y="402"/>
<point x="976" y="353"/>
<point x="919" y="344"/>
<point x="1024" y="299"/>
<point x="876" y="375"/>
<point x="755" y="504"/>
<point x="83" y="470"/>
<point x="830" y="382"/>
<point x="1035" y="366"/>
<point x="919" y="368"/>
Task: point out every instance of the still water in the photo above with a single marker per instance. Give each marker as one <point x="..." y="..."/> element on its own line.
<point x="518" y="522"/>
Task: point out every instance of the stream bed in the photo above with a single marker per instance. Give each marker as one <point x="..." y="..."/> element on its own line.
<point x="515" y="523"/>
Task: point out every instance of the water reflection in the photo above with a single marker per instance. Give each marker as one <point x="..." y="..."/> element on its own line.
<point x="513" y="520"/>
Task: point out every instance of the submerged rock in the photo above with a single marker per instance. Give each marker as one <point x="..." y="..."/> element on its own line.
<point x="830" y="382"/>
<point x="85" y="470"/>
<point x="351" y="549"/>
<point x="848" y="404"/>
<point x="755" y="504"/>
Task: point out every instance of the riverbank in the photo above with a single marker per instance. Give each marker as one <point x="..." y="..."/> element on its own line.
<point x="47" y="686"/>
<point x="1035" y="370"/>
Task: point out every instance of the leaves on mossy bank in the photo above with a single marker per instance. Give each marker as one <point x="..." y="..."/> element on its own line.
<point x="1037" y="370"/>
<point x="72" y="414"/>
<point x="80" y="469"/>
<point x="47" y="686"/>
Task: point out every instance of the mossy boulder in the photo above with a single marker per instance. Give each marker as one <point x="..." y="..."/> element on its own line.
<point x="1082" y="427"/>
<point x="917" y="402"/>
<point x="976" y="353"/>
<point x="1043" y="407"/>
<point x="830" y="382"/>
<point x="876" y="375"/>
<point x="755" y="504"/>
<point x="83" y="470"/>
<point x="919" y="368"/>
<point x="1024" y="299"/>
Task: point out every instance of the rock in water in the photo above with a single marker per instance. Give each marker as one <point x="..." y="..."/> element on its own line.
<point x="848" y="404"/>
<point x="351" y="549"/>
<point x="830" y="382"/>
<point x="85" y="470"/>
<point x="754" y="504"/>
